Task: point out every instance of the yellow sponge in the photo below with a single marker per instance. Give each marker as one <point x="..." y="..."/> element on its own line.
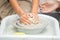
<point x="19" y="33"/>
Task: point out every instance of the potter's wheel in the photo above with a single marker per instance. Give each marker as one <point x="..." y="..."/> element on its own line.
<point x="31" y="29"/>
<point x="50" y="29"/>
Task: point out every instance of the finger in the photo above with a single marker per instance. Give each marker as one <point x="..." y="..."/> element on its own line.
<point x="23" y="22"/>
<point x="25" y="16"/>
<point x="43" y="8"/>
<point x="26" y="21"/>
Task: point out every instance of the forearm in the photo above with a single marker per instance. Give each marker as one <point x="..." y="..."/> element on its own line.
<point x="35" y="5"/>
<point x="16" y="7"/>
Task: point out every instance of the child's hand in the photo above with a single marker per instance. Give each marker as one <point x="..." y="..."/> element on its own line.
<point x="49" y="7"/>
<point x="25" y="18"/>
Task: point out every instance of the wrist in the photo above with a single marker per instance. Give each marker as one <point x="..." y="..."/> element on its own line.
<point x="34" y="13"/>
<point x="20" y="13"/>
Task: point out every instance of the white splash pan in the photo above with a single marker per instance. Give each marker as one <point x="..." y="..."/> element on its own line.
<point x="54" y="24"/>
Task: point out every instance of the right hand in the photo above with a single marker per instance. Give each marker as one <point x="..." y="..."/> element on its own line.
<point x="25" y="18"/>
